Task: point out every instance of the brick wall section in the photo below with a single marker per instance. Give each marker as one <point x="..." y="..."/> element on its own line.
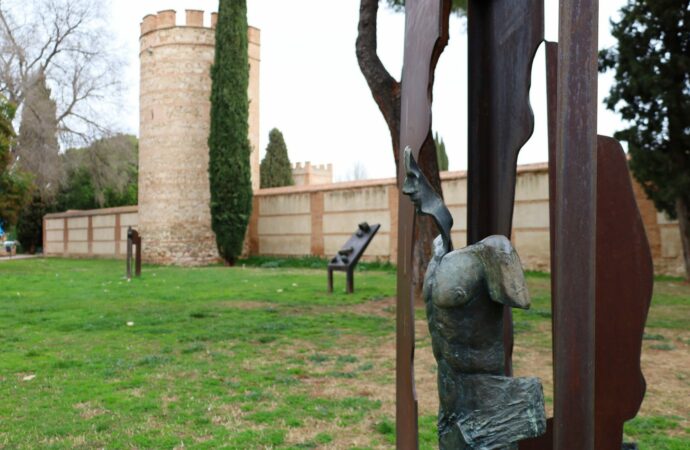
<point x="174" y="193"/>
<point x="316" y="211"/>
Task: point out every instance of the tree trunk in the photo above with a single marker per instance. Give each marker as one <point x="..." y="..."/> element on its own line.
<point x="386" y="91"/>
<point x="683" y="212"/>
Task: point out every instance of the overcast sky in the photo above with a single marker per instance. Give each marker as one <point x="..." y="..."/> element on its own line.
<point x="312" y="89"/>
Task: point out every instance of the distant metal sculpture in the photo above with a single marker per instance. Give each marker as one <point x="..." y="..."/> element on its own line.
<point x="348" y="256"/>
<point x="479" y="407"/>
<point x="133" y="253"/>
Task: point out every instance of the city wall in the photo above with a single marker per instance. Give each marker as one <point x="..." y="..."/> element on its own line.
<point x="318" y="219"/>
<point x="94" y="233"/>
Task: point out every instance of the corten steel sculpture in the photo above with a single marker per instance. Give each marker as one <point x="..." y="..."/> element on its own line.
<point x="348" y="256"/>
<point x="597" y="333"/>
<point x="479" y="406"/>
<point x="503" y="37"/>
<point x="426" y="34"/>
<point x="624" y="281"/>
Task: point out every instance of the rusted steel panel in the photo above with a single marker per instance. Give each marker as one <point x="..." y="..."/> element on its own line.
<point x="503" y="37"/>
<point x="575" y="243"/>
<point x="625" y="278"/>
<point x="545" y="441"/>
<point x="624" y="281"/>
<point x="426" y="34"/>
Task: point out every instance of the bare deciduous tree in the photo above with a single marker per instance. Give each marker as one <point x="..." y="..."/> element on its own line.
<point x="67" y="41"/>
<point x="357" y="171"/>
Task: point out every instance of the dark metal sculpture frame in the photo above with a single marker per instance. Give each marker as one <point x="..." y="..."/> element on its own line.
<point x="590" y="196"/>
<point x="133" y="254"/>
<point x="348" y="256"/>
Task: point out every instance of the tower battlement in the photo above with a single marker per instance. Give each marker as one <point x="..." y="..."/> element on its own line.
<point x="168" y="19"/>
<point x="307" y="173"/>
<point x="194" y="30"/>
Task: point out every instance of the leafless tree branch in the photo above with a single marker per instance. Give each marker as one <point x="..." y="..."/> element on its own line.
<point x="66" y="41"/>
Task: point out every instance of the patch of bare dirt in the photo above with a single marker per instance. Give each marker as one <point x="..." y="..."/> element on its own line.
<point x="88" y="410"/>
<point x="666" y="369"/>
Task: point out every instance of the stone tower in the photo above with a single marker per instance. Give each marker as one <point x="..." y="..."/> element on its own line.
<point x="174" y="116"/>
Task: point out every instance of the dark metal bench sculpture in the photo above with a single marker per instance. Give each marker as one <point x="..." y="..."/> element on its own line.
<point x="348" y="256"/>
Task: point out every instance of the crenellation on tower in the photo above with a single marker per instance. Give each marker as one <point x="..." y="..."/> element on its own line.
<point x="167" y="18"/>
<point x="194" y="18"/>
<point x="305" y="174"/>
<point x="149" y="23"/>
<point x="174" y="115"/>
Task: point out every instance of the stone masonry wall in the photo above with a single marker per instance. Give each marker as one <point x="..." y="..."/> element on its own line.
<point x="318" y="219"/>
<point x="174" y="196"/>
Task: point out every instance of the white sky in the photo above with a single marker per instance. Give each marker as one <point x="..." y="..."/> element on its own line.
<point x="312" y="89"/>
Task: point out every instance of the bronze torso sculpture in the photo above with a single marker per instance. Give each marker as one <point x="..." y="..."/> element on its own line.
<point x="464" y="292"/>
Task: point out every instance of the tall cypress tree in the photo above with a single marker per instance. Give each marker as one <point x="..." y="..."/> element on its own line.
<point x="441" y="155"/>
<point x="276" y="169"/>
<point x="228" y="142"/>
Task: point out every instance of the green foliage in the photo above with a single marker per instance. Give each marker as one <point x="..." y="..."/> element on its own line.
<point x="457" y="6"/>
<point x="15" y="185"/>
<point x="30" y="223"/>
<point x="77" y="192"/>
<point x="276" y="169"/>
<point x="103" y="175"/>
<point x="441" y="155"/>
<point x="651" y="62"/>
<point x="229" y="148"/>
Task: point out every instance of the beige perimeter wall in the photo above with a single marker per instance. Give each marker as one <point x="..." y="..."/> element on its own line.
<point x="317" y="220"/>
<point x="94" y="233"/>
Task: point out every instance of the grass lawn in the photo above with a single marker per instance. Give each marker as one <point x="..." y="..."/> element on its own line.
<point x="254" y="358"/>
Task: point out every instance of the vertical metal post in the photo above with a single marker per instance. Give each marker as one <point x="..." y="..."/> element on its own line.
<point x="129" y="253"/>
<point x="499" y="116"/>
<point x="426" y="34"/>
<point x="137" y="257"/>
<point x="575" y="244"/>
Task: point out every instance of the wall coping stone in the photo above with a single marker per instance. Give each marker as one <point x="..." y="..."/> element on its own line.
<point x="346" y="185"/>
<point x="93" y="212"/>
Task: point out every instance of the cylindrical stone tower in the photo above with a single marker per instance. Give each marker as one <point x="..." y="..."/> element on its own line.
<point x="174" y="116"/>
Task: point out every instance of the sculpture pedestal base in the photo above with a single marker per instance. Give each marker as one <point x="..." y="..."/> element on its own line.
<point x="494" y="412"/>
